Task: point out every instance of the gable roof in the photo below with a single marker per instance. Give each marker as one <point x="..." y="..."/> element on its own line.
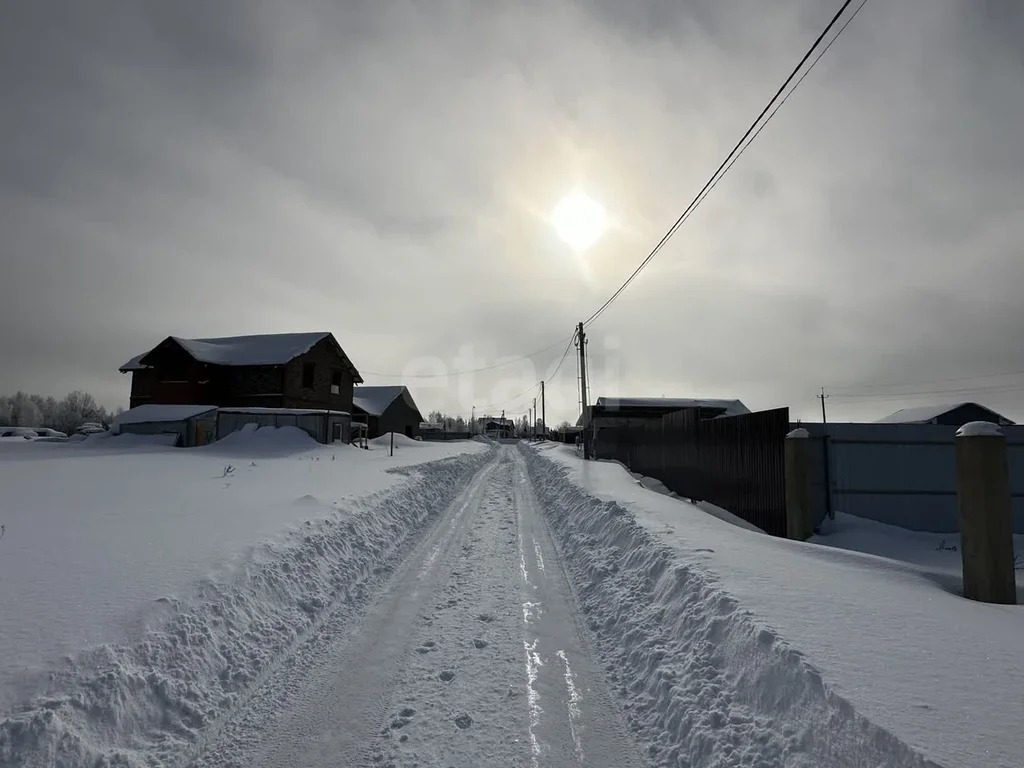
<point x="728" y="407"/>
<point x="156" y="412"/>
<point x="258" y="349"/>
<point x="373" y="401"/>
<point x="926" y="413"/>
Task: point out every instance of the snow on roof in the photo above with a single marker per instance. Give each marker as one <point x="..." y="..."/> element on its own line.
<point x="156" y="412"/>
<point x="256" y="410"/>
<point x="925" y="413"/>
<point x="259" y="349"/>
<point x="135" y="363"/>
<point x="375" y="400"/>
<point x="730" y="407"/>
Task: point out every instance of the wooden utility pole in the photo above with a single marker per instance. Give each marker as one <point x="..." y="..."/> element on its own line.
<point x="543" y="412"/>
<point x="534" y="419"/>
<point x="581" y="340"/>
<point x="826" y="458"/>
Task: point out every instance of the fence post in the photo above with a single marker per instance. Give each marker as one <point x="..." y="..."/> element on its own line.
<point x="986" y="522"/>
<point x="799" y="516"/>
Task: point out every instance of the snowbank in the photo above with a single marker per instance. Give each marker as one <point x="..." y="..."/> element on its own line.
<point x="150" y="698"/>
<point x="937" y="552"/>
<point x="731" y="647"/>
<point x="401" y="441"/>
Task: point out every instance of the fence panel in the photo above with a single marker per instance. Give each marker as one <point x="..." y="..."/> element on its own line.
<point x="902" y="474"/>
<point x="735" y="462"/>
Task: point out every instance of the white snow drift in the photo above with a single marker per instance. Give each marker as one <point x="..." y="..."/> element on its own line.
<point x="171" y="580"/>
<point x="735" y="648"/>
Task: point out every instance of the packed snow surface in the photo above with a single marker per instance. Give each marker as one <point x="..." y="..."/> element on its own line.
<point x="269" y="601"/>
<point x="935" y="552"/>
<point x="724" y="636"/>
<point x="97" y="531"/>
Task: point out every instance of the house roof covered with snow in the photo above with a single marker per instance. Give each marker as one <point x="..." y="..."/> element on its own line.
<point x="373" y="401"/>
<point x="728" y="407"/>
<point x="155" y="412"/>
<point x="927" y="414"/>
<point x="259" y="349"/>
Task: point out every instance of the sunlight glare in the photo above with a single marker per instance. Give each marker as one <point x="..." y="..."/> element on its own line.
<point x="579" y="220"/>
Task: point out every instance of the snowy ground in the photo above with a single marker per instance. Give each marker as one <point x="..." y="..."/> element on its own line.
<point x="936" y="552"/>
<point x="479" y="605"/>
<point x="736" y="648"/>
<point x="106" y="537"/>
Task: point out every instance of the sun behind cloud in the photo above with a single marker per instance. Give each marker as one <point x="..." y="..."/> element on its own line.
<point x="579" y="220"/>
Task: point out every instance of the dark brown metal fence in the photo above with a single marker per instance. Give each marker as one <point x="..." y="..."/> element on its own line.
<point x="735" y="462"/>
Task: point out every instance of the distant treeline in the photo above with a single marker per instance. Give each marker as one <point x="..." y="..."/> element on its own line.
<point x="25" y="410"/>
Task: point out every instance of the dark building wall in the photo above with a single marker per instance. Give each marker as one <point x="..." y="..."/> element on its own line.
<point x="326" y="361"/>
<point x="401" y="417"/>
<point x="245" y="386"/>
<point x="967" y="413"/>
<point x="173" y="377"/>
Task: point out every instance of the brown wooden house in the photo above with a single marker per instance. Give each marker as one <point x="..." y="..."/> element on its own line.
<point x="279" y="370"/>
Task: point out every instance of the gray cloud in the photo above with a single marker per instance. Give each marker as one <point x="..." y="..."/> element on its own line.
<point x="385" y="171"/>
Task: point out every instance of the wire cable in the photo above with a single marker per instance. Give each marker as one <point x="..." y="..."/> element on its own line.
<point x="838" y="389"/>
<point x="713" y="180"/>
<point x="468" y="370"/>
<point x="778" y="106"/>
<point x="565" y="354"/>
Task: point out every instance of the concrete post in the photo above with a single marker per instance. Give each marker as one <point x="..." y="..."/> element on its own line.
<point x="986" y="523"/>
<point x="799" y="515"/>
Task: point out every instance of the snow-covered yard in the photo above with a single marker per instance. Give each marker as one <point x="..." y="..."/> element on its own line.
<point x="102" y="536"/>
<point x="713" y="628"/>
<point x="269" y="601"/>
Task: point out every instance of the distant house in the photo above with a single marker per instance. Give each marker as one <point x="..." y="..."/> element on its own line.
<point x="386" y="409"/>
<point x="279" y="370"/>
<point x="955" y="415"/>
<point x="629" y="411"/>
<point x="496" y="427"/>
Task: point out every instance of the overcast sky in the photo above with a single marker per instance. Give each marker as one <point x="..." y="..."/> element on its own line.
<point x="386" y="171"/>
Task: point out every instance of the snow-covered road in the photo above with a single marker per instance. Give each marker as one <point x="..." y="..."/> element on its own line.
<point x="471" y="655"/>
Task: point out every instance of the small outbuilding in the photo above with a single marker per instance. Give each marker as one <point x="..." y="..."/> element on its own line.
<point x="955" y="415"/>
<point x="193" y="424"/>
<point x="386" y="409"/>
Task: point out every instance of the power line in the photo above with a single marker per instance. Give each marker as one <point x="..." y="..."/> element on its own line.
<point x="779" y="105"/>
<point x="926" y="382"/>
<point x="713" y="180"/>
<point x="468" y="370"/>
<point x="894" y="396"/>
<point x="565" y="354"/>
<point x="510" y="400"/>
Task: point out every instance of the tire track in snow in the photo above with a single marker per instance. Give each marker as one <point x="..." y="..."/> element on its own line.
<point x="324" y="701"/>
<point x="567" y="727"/>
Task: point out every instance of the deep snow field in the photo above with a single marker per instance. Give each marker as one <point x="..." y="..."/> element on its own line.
<point x="108" y="536"/>
<point x="698" y="616"/>
<point x="152" y="599"/>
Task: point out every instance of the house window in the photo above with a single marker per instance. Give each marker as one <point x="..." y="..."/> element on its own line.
<point x="335" y="382"/>
<point x="308" y="373"/>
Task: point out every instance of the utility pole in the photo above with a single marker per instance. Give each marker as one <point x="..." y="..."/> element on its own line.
<point x="581" y="339"/>
<point x="826" y="458"/>
<point x="543" y="413"/>
<point x="533" y="421"/>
